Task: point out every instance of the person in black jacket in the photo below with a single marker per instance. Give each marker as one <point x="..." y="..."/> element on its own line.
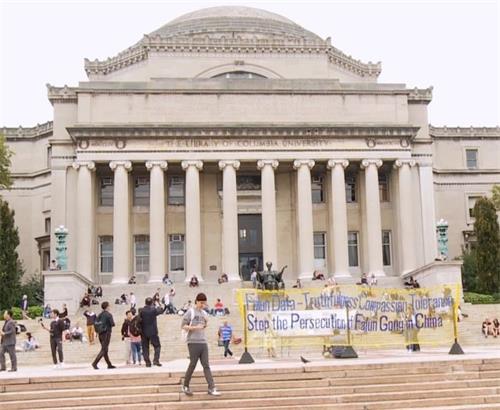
<point x="105" y="336"/>
<point x="150" y="331"/>
<point x="56" y="331"/>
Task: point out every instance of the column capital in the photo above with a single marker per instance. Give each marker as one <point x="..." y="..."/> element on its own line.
<point x="400" y="162"/>
<point x="188" y="163"/>
<point x="261" y="163"/>
<point x="89" y="164"/>
<point x="162" y="164"/>
<point x="301" y="162"/>
<point x="367" y="162"/>
<point x="125" y="164"/>
<point x="332" y="163"/>
<point x="424" y="162"/>
<point x="234" y="163"/>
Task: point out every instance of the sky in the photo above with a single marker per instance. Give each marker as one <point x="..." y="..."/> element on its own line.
<point x="453" y="46"/>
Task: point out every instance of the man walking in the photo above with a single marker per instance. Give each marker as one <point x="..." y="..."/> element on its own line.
<point x="150" y="331"/>
<point x="194" y="322"/>
<point x="104" y="324"/>
<point x="56" y="342"/>
<point x="8" y="342"/>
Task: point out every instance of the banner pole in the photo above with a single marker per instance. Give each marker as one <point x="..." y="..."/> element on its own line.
<point x="455" y="348"/>
<point x="348" y="352"/>
<point x="246" y="357"/>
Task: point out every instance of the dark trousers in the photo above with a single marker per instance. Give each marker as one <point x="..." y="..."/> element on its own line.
<point x="11" y="350"/>
<point x="198" y="351"/>
<point x="155" y="341"/>
<point x="104" y="339"/>
<point x="226" y="348"/>
<point x="56" y="344"/>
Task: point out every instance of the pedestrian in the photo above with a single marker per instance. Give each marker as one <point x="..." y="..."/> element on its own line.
<point x="126" y="335"/>
<point x="90" y="325"/>
<point x="8" y="342"/>
<point x="133" y="301"/>
<point x="104" y="324"/>
<point x="56" y="331"/>
<point x="149" y="334"/>
<point x="24" y="307"/>
<point x="194" y="323"/>
<point x="226" y="334"/>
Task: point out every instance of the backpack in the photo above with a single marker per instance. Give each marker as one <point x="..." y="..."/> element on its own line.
<point x="99" y="324"/>
<point x="135" y="326"/>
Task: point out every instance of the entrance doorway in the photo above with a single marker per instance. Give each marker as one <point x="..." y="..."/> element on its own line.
<point x="250" y="244"/>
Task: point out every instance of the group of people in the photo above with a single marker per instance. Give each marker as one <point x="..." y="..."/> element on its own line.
<point x="490" y="327"/>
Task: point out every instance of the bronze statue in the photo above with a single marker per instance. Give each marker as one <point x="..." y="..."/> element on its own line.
<point x="271" y="279"/>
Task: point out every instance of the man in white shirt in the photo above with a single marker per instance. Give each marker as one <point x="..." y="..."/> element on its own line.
<point x="133" y="300"/>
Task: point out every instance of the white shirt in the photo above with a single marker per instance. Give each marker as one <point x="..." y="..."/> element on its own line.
<point x="132" y="300"/>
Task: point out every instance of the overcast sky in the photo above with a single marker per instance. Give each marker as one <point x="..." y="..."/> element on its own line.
<point x="451" y="45"/>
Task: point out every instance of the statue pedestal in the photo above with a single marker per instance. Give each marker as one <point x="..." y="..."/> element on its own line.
<point x="62" y="286"/>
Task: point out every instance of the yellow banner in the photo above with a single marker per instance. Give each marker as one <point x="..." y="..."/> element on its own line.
<point x="354" y="315"/>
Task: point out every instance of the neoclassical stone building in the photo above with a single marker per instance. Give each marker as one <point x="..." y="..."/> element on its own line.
<point x="230" y="137"/>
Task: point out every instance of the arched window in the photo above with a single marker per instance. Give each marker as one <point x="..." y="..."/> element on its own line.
<point x="238" y="74"/>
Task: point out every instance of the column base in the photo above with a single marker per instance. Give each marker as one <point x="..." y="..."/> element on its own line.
<point x="119" y="281"/>
<point x="306" y="276"/>
<point x="233" y="278"/>
<point x="377" y="273"/>
<point x="341" y="275"/>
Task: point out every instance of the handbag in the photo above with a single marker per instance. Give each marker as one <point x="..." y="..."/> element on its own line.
<point x="220" y="342"/>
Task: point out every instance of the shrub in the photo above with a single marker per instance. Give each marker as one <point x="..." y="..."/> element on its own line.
<point x="478" y="298"/>
<point x="17" y="313"/>
<point x="35" y="311"/>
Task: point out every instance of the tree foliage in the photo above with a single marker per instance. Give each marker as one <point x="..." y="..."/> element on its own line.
<point x="496" y="196"/>
<point x="469" y="271"/>
<point x="488" y="246"/>
<point x="10" y="266"/>
<point x="5" y="154"/>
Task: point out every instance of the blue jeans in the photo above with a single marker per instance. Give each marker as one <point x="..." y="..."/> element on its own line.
<point x="226" y="348"/>
<point x="136" y="351"/>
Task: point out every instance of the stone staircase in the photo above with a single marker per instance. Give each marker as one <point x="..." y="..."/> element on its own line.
<point x="169" y="327"/>
<point x="408" y="384"/>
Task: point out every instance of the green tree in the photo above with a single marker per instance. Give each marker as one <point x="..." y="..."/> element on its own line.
<point x="496" y="196"/>
<point x="5" y="154"/>
<point x="488" y="246"/>
<point x="10" y="266"/>
<point x="469" y="271"/>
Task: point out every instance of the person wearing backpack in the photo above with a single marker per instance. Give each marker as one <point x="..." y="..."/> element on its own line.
<point x="126" y="336"/>
<point x="134" y="332"/>
<point x="149" y="334"/>
<point x="103" y="326"/>
<point x="194" y="323"/>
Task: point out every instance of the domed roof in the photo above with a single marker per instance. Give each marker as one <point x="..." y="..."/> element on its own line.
<point x="234" y="22"/>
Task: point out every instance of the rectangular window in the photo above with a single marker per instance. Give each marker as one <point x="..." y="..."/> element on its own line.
<point x="141" y="251"/>
<point x="106" y="254"/>
<point x="141" y="191"/>
<point x="319" y="249"/>
<point x="352" y="248"/>
<point x="471" y="157"/>
<point x="383" y="187"/>
<point x="176" y="190"/>
<point x="176" y="246"/>
<point x="386" y="248"/>
<point x="317" y="189"/>
<point x="471" y="201"/>
<point x="49" y="157"/>
<point x="350" y="188"/>
<point x="47" y="225"/>
<point x="106" y="191"/>
<point x="248" y="182"/>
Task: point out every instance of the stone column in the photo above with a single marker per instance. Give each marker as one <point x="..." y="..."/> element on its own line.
<point x="407" y="239"/>
<point x="373" y="218"/>
<point x="427" y="206"/>
<point x="269" y="239"/>
<point x="85" y="218"/>
<point x="157" y="248"/>
<point x="304" y="218"/>
<point x="121" y="221"/>
<point x="230" y="260"/>
<point x="193" y="219"/>
<point x="338" y="223"/>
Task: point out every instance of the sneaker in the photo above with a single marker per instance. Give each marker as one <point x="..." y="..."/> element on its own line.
<point x="187" y="391"/>
<point x="213" y="392"/>
<point x="61" y="365"/>
<point x="56" y="366"/>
